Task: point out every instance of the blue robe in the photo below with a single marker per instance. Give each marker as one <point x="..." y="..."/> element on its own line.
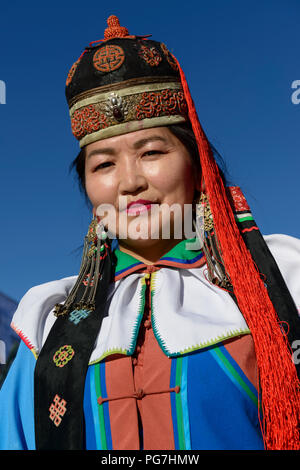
<point x="216" y="408"/>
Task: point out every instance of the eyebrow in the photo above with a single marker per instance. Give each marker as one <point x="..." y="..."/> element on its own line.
<point x="140" y="143"/>
<point x="137" y="145"/>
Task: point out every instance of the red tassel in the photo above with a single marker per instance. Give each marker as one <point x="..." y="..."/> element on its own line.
<point x="280" y="386"/>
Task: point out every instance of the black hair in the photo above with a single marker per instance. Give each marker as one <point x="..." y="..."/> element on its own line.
<point x="183" y="132"/>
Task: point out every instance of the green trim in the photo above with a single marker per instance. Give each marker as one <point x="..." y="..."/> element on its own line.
<point x="179" y="412"/>
<point x="236" y="375"/>
<point x="179" y="252"/>
<point x="124" y="260"/>
<point x="218" y="339"/>
<point x="140" y="315"/>
<point x="128" y="352"/>
<point x="34" y="352"/>
<point x="160" y="341"/>
<point x="100" y="407"/>
<point x="205" y="344"/>
<point x="243" y="219"/>
<point x="109" y="352"/>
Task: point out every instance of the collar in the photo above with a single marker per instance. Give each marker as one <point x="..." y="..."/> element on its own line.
<point x="183" y="255"/>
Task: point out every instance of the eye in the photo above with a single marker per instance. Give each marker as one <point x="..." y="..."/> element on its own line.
<point x="102" y="166"/>
<point x="152" y="152"/>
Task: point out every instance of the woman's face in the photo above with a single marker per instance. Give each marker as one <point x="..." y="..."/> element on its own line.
<point x="150" y="168"/>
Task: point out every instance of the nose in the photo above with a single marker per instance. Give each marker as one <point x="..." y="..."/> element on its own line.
<point x="132" y="180"/>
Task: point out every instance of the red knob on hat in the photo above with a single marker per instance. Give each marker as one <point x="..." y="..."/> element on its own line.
<point x="114" y="29"/>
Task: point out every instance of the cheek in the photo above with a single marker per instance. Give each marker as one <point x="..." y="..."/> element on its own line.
<point x="99" y="190"/>
<point x="178" y="184"/>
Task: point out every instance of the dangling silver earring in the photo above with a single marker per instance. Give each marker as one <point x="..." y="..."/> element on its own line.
<point x="204" y="227"/>
<point x="203" y="218"/>
<point x="100" y="231"/>
<point x="81" y="304"/>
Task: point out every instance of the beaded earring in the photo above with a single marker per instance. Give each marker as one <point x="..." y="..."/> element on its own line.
<point x="204" y="227"/>
<point x="81" y="300"/>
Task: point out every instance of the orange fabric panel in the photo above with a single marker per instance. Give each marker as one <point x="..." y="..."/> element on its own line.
<point x="123" y="411"/>
<point x="152" y="371"/>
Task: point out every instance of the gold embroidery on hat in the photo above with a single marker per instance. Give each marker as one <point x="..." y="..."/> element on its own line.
<point x="125" y="87"/>
<point x="107" y="113"/>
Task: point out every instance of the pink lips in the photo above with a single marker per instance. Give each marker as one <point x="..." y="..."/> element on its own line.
<point x="136" y="207"/>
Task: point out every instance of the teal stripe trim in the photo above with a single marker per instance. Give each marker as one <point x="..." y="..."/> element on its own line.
<point x="184" y="404"/>
<point x="173" y="402"/>
<point x="181" y="400"/>
<point x="95" y="408"/>
<point x="179" y="414"/>
<point x="100" y="413"/>
<point x="233" y="374"/>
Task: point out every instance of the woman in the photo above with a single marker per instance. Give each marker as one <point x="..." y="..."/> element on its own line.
<point x="165" y="340"/>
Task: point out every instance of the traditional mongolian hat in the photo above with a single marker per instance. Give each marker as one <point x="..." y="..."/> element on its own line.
<point x="124" y="83"/>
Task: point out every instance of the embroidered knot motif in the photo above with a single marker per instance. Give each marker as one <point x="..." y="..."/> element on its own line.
<point x="150" y="55"/>
<point x="57" y="410"/>
<point x="63" y="355"/>
<point x="108" y="58"/>
<point x="87" y="282"/>
<point x="76" y="316"/>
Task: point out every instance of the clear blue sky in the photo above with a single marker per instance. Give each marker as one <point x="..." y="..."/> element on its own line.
<point x="240" y="57"/>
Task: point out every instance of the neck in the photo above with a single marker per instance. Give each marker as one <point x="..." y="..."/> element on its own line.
<point x="148" y="254"/>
